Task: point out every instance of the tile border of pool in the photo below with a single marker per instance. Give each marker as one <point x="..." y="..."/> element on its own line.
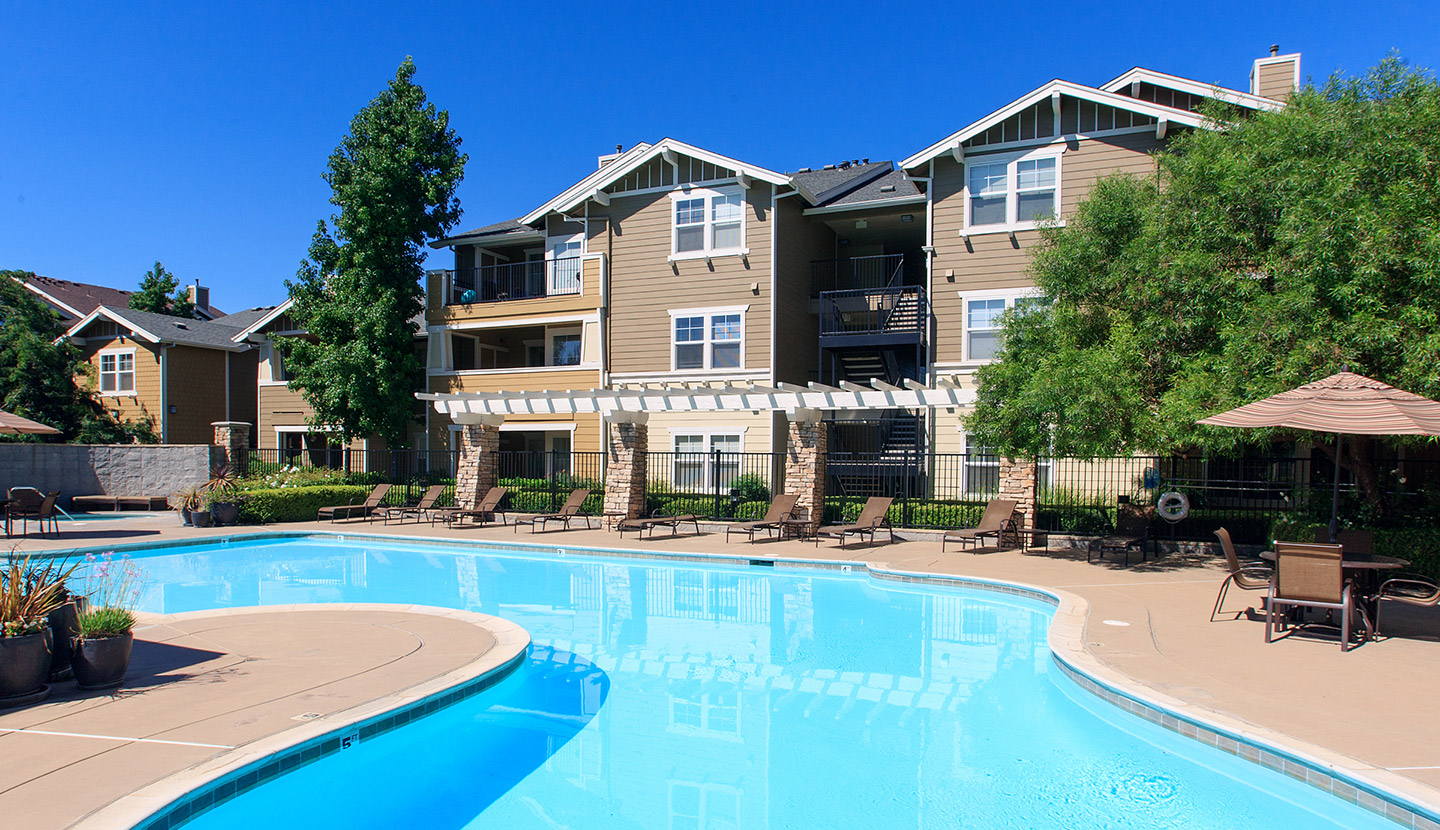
<point x="174" y="800"/>
<point x="1403" y="801"/>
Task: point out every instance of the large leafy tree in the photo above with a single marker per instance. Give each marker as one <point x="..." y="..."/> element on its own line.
<point x="1266" y="253"/>
<point x="160" y="292"/>
<point x="39" y="369"/>
<point x="394" y="179"/>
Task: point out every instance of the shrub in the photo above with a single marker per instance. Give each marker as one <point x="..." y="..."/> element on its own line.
<point x="751" y="487"/>
<point x="1420" y="545"/>
<point x="752" y="511"/>
<point x="296" y="504"/>
<point x="697" y="506"/>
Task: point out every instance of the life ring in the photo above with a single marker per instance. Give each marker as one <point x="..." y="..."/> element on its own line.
<point x="1173" y="506"/>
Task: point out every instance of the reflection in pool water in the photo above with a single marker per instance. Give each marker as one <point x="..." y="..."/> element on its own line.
<point x="662" y="696"/>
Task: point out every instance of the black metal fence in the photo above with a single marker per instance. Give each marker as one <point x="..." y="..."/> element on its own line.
<point x="718" y="485"/>
<point x="541" y="481"/>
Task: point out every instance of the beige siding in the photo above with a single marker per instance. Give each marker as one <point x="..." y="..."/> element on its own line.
<point x="990" y="261"/>
<point x="144" y="405"/>
<point x="587" y="430"/>
<point x="644" y="285"/>
<point x="756" y="428"/>
<point x="587" y="300"/>
<point x="1275" y="80"/>
<point x="195" y="393"/>
<point x="280" y="406"/>
<point x="796" y="328"/>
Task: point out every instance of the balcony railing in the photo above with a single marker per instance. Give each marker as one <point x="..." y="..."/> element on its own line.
<point x="855" y="273"/>
<point x="896" y="310"/>
<point x="515" y="281"/>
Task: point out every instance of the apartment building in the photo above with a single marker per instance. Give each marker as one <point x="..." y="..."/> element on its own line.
<point x="673" y="264"/>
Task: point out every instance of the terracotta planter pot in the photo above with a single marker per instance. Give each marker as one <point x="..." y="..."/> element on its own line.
<point x="101" y="663"/>
<point x="24" y="665"/>
<point x="64" y="628"/>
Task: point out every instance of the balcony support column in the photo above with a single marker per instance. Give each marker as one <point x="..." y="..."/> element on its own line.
<point x="806" y="445"/>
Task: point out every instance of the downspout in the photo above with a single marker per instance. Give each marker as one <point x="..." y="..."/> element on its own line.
<point x="164" y="393"/>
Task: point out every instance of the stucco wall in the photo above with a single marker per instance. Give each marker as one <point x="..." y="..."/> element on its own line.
<point x="117" y="470"/>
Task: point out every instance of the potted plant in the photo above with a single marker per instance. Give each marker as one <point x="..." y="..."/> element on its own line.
<point x="29" y="591"/>
<point x="186" y="502"/>
<point x="102" y="651"/>
<point x="224" y="492"/>
<point x="200" y="514"/>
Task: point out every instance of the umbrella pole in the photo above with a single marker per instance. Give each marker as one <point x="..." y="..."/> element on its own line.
<point x="1335" y="494"/>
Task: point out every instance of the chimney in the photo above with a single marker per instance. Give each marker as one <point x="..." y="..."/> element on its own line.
<point x="609" y="157"/>
<point x="1277" y="76"/>
<point x="199" y="295"/>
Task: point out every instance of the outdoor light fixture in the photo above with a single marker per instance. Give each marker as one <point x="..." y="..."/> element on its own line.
<point x="907" y="217"/>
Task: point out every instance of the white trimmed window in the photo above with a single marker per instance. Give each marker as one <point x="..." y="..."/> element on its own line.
<point x="117" y="372"/>
<point x="698" y="468"/>
<point x="708" y="222"/>
<point x="984" y="315"/>
<point x="707" y="339"/>
<point x="565" y="348"/>
<point x="703" y="806"/>
<point x="1008" y="192"/>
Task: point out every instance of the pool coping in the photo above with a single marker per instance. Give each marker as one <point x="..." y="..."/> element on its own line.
<point x="175" y="799"/>
<point x="1402" y="800"/>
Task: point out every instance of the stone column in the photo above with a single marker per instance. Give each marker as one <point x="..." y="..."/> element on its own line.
<point x="1017" y="481"/>
<point x="806" y="445"/>
<point x="479" y="445"/>
<point x="232" y="445"/>
<point x="626" y="456"/>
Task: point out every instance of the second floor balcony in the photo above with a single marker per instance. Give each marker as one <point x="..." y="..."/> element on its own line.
<point x="875" y="316"/>
<point x="535" y="279"/>
<point x="865" y="272"/>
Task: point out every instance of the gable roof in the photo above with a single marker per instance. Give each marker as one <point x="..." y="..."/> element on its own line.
<point x="892" y="187"/>
<point x="1149" y="76"/>
<point x="501" y="233"/>
<point x="162" y="328"/>
<point x="1067" y="88"/>
<point x="820" y="186"/>
<point x="73" y="300"/>
<point x="246" y="318"/>
<point x="262" y="321"/>
<point x="626" y="163"/>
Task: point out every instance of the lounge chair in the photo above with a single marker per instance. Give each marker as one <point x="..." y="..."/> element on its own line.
<point x="1248" y="577"/>
<point x="642" y="524"/>
<point x="349" y="511"/>
<point x="1132" y="531"/>
<point x="1353" y="541"/>
<point x="26" y="511"/>
<point x="782" y="509"/>
<point x="419" y="509"/>
<point x="1412" y="590"/>
<point x="995" y="521"/>
<point x="1312" y="576"/>
<point x="872" y="518"/>
<point x="568" y="512"/>
<point x="482" y="513"/>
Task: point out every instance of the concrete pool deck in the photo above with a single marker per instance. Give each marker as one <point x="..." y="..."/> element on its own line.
<point x="213" y="690"/>
<point x="1147" y="622"/>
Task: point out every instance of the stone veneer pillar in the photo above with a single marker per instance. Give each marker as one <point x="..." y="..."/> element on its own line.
<point x="232" y="440"/>
<point x="479" y="448"/>
<point x="626" y="456"/>
<point x="1017" y="481"/>
<point x="806" y="444"/>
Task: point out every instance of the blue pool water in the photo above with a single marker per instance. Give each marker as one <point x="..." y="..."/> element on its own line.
<point x="686" y="697"/>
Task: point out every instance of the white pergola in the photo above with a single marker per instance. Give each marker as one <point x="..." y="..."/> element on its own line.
<point x="633" y="401"/>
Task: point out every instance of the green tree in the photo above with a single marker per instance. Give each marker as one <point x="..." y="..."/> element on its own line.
<point x="1265" y="254"/>
<point x="39" y="369"/>
<point x="394" y="178"/>
<point x="161" y="293"/>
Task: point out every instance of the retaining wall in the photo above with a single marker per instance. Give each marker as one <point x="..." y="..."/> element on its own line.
<point x="116" y="470"/>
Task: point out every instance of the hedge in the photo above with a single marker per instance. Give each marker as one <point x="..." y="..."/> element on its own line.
<point x="1420" y="545"/>
<point x="296" y="504"/>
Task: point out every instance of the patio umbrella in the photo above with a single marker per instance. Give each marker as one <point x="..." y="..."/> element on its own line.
<point x="1344" y="403"/>
<point x="11" y="424"/>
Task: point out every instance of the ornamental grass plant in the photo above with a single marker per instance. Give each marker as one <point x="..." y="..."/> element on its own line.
<point x="30" y="589"/>
<point x="116" y="584"/>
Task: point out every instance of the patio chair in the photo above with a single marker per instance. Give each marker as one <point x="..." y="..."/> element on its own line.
<point x="998" y="517"/>
<point x="483" y="513"/>
<point x="1132" y="531"/>
<point x="349" y="511"/>
<point x="872" y="518"/>
<point x="1412" y="590"/>
<point x="27" y="510"/>
<point x="1353" y="541"/>
<point x="659" y="519"/>
<point x="1247" y="577"/>
<point x="419" y="509"/>
<point x="568" y="512"/>
<point x="782" y="508"/>
<point x="1312" y="576"/>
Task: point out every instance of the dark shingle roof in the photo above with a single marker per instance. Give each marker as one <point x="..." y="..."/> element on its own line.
<point x="499" y="230"/>
<point x="244" y="319"/>
<point x="203" y="333"/>
<point x="892" y="185"/>
<point x="85" y="297"/>
<point x="830" y="178"/>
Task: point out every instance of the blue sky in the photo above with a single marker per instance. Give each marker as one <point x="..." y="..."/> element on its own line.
<point x="196" y="134"/>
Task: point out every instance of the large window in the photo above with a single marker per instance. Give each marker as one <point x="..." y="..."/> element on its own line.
<point x="984" y="315"/>
<point x="708" y="339"/>
<point x="708" y="222"/>
<point x="699" y="469"/>
<point x="117" y="373"/>
<point x="1012" y="192"/>
<point x="565" y="349"/>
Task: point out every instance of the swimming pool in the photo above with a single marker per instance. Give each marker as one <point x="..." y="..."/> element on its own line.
<point x="680" y="695"/>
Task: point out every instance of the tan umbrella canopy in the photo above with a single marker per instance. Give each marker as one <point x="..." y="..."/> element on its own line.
<point x="1344" y="403"/>
<point x="15" y="425"/>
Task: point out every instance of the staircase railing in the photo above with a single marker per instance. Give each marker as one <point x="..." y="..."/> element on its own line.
<point x="888" y="310"/>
